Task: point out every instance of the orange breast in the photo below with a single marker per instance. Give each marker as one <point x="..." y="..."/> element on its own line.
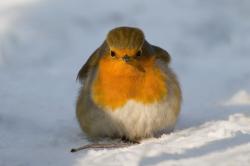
<point x="117" y="82"/>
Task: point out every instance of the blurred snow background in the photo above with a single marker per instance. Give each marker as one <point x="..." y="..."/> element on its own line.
<point x="43" y="44"/>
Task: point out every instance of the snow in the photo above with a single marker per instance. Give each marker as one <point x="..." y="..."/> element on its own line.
<point x="43" y="44"/>
<point x="240" y="98"/>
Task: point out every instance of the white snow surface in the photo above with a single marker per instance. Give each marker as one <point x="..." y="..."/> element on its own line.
<point x="43" y="44"/>
<point x="240" y="98"/>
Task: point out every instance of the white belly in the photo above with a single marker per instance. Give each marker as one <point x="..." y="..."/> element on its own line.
<point x="135" y="120"/>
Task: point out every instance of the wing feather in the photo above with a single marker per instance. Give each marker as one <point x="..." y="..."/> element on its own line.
<point x="162" y="54"/>
<point x="90" y="64"/>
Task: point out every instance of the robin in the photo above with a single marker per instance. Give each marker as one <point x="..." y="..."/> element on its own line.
<point x="128" y="89"/>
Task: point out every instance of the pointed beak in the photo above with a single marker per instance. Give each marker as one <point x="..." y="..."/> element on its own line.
<point x="133" y="62"/>
<point x="126" y="58"/>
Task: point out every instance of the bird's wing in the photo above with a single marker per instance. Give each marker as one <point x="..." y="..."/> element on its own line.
<point x="90" y="64"/>
<point x="162" y="54"/>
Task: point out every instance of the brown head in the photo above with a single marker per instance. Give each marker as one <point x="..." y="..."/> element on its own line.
<point x="125" y="42"/>
<point x="125" y="38"/>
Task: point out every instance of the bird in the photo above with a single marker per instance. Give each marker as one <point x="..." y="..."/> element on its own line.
<point x="128" y="89"/>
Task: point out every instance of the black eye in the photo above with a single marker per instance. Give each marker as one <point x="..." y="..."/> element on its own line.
<point x="112" y="53"/>
<point x="138" y="53"/>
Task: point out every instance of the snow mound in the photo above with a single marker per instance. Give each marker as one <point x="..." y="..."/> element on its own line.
<point x="240" y="155"/>
<point x="240" y="98"/>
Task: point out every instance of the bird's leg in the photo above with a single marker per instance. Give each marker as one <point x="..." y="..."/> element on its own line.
<point x="125" y="143"/>
<point x="126" y="140"/>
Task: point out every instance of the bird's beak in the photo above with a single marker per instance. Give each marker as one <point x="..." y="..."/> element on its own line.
<point x="126" y="58"/>
<point x="132" y="61"/>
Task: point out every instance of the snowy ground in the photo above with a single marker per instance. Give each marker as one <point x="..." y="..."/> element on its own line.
<point x="44" y="43"/>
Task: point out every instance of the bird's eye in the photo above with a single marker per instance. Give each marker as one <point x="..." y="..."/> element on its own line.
<point x="112" y="53"/>
<point x="139" y="53"/>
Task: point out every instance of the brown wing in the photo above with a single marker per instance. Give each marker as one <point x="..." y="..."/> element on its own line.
<point x="162" y="54"/>
<point x="90" y="64"/>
